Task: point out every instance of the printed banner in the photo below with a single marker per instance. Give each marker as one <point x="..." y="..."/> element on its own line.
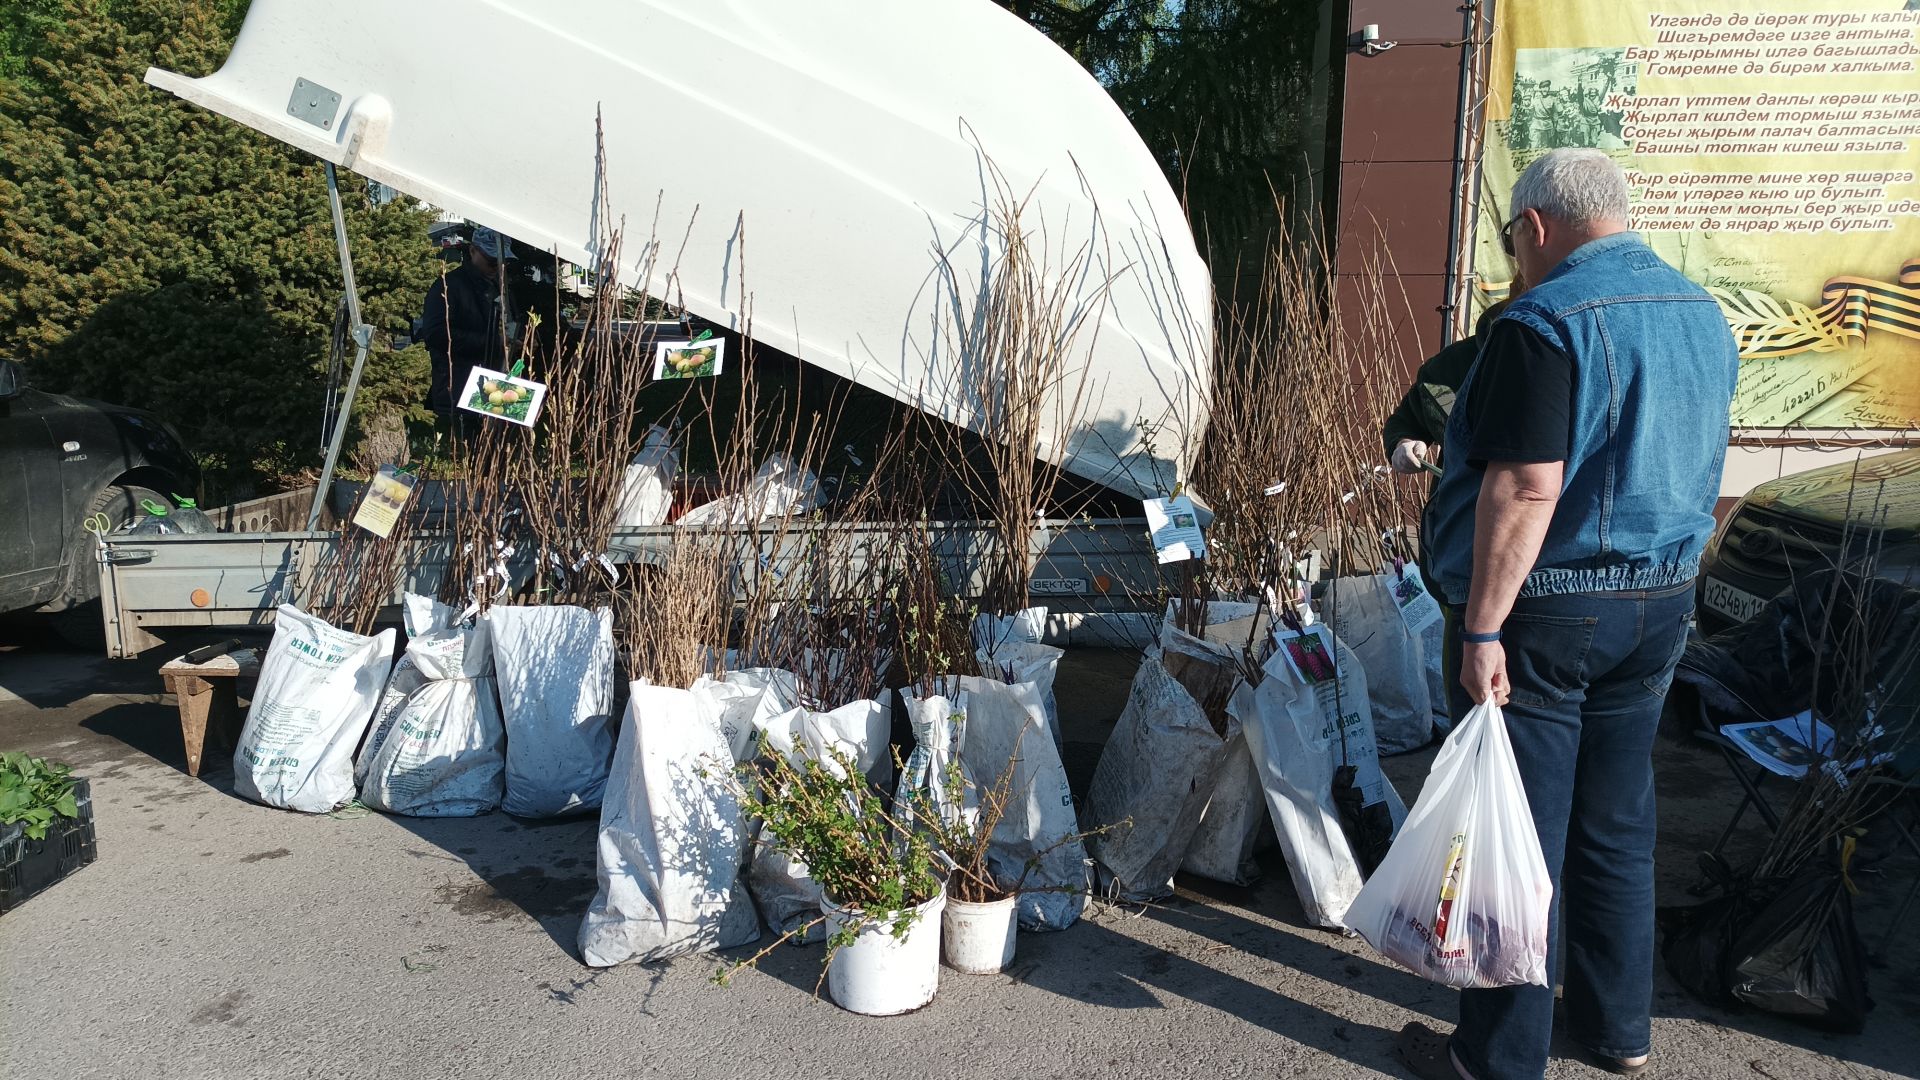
<point x="1772" y="149"/>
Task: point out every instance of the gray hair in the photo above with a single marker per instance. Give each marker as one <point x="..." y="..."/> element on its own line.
<point x="1579" y="187"/>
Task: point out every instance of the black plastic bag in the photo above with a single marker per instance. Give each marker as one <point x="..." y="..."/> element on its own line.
<point x="1800" y="955"/>
<point x="1699" y="942"/>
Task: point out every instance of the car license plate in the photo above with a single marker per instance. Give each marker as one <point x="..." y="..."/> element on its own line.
<point x="1736" y="604"/>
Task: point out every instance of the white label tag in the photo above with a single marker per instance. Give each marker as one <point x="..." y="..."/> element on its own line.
<point x="1417" y="605"/>
<point x="1175" y="529"/>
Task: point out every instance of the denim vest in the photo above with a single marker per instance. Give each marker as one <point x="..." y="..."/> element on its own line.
<point x="1653" y="374"/>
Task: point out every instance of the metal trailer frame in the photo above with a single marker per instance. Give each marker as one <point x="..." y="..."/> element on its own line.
<point x="1098" y="576"/>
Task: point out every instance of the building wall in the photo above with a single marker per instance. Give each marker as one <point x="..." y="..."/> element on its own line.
<point x="1399" y="114"/>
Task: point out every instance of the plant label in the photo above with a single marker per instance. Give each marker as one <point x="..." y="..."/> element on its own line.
<point x="1417" y="605"/>
<point x="503" y="397"/>
<point x="1175" y="529"/>
<point x="689" y="359"/>
<point x="386" y="496"/>
<point x="1309" y="654"/>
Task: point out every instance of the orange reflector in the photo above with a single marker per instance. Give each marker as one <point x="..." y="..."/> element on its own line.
<point x="200" y="598"/>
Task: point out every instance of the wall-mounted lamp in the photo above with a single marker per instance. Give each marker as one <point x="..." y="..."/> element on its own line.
<point x="1368" y="40"/>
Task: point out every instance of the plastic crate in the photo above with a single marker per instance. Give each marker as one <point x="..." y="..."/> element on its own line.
<point x="29" y="867"/>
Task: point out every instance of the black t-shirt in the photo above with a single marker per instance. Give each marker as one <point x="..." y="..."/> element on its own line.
<point x="1520" y="406"/>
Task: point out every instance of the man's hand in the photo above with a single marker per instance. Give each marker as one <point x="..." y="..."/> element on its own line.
<point x="1483" y="671"/>
<point x="1407" y="456"/>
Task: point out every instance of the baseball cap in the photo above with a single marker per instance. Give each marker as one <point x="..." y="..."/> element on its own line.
<point x="494" y="244"/>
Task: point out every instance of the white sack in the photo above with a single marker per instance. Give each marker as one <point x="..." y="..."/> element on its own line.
<point x="1294" y="741"/>
<point x="1363" y="613"/>
<point x="778" y="489"/>
<point x="1027" y="625"/>
<point x="1433" y="651"/>
<point x="786" y="894"/>
<point x="672" y="838"/>
<point x="939" y="731"/>
<point x="421" y="614"/>
<point x="646" y="491"/>
<point x="1007" y="724"/>
<point x="317" y="691"/>
<point x="1027" y="662"/>
<point x="1463" y="896"/>
<point x="555" y="670"/>
<point x="439" y="746"/>
<point x="1230" y="827"/>
<point x="1163" y="759"/>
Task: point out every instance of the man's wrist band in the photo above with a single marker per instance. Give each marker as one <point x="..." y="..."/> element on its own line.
<point x="1480" y="639"/>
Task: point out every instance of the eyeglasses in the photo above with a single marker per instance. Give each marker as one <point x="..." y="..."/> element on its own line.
<point x="1506" y="233"/>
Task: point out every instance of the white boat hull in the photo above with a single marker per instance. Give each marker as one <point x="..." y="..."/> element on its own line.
<point x="827" y="151"/>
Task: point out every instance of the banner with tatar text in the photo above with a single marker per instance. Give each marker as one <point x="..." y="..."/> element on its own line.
<point x="1772" y="150"/>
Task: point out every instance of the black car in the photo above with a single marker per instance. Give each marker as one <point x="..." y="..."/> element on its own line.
<point x="1790" y="527"/>
<point x="64" y="463"/>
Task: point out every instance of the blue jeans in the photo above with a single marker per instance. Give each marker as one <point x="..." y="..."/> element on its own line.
<point x="1589" y="673"/>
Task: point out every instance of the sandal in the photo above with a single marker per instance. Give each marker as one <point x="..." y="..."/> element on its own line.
<point x="1425" y="1051"/>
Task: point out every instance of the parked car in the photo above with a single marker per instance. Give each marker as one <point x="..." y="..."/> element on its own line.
<point x="65" y="462"/>
<point x="1794" y="525"/>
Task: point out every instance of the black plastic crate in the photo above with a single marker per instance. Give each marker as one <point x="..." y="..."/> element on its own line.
<point x="29" y="867"/>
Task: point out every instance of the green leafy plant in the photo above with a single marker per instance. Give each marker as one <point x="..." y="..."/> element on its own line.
<point x="962" y="834"/>
<point x="822" y="812"/>
<point x="34" y="792"/>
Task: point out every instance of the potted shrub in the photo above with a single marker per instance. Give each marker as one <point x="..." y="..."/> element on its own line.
<point x="979" y="925"/>
<point x="46" y="826"/>
<point x="881" y="897"/>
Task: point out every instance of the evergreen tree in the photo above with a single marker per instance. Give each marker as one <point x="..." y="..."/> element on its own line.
<point x="155" y="254"/>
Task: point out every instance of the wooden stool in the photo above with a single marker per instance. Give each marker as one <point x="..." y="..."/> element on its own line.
<point x="208" y="693"/>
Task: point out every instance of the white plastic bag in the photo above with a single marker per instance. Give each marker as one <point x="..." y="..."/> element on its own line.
<point x="1364" y="613"/>
<point x="939" y="724"/>
<point x="1163" y="760"/>
<point x="1463" y="897"/>
<point x="318" y="688"/>
<point x="1292" y="734"/>
<point x="1223" y="845"/>
<point x="672" y="837"/>
<point x="646" y="491"/>
<point x="555" y="670"/>
<point x="780" y="487"/>
<point x="1027" y="625"/>
<point x="439" y="746"/>
<point x="1028" y="662"/>
<point x="1006" y="724"/>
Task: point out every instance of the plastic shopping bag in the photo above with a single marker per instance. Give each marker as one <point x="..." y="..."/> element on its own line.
<point x="1463" y="896"/>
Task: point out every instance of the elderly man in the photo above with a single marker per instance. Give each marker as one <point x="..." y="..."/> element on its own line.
<point x="1584" y="459"/>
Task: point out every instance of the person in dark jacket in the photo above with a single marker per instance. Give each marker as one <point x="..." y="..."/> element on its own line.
<point x="462" y="324"/>
<point x="1413" y="433"/>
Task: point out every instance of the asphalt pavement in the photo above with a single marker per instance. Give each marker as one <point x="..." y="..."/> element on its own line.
<point x="215" y="938"/>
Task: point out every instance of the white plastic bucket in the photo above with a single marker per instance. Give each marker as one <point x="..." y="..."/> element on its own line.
<point x="879" y="974"/>
<point x="977" y="939"/>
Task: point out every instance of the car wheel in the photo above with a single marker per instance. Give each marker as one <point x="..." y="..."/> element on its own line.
<point x="78" y="621"/>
